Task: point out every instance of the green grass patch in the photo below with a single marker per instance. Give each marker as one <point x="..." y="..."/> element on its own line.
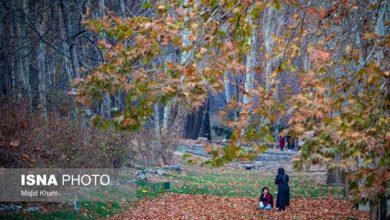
<point x="248" y="184"/>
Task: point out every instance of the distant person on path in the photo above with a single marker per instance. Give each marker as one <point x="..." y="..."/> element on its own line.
<point x="283" y="198"/>
<point x="282" y="142"/>
<point x="266" y="201"/>
<point x="294" y="143"/>
<point x="288" y="140"/>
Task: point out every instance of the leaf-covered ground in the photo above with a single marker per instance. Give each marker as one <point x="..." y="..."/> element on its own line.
<point x="201" y="193"/>
<point x="185" y="206"/>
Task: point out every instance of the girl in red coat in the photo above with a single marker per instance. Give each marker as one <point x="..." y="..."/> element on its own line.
<point x="266" y="201"/>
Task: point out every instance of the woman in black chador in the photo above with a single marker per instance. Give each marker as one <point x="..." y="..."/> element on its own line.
<point x="283" y="198"/>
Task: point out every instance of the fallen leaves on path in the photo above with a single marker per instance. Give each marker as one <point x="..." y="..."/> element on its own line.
<point x="184" y="206"/>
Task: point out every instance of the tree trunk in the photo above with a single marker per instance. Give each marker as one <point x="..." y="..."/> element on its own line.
<point x="24" y="53"/>
<point x="226" y="81"/>
<point x="122" y="8"/>
<point x="335" y="176"/>
<point x="167" y="113"/>
<point x="69" y="35"/>
<point x="205" y="126"/>
<point x="170" y="57"/>
<point x="15" y="71"/>
<point x="198" y="123"/>
<point x="179" y="122"/>
<point x="106" y="105"/>
<point x="226" y="75"/>
<point x="379" y="211"/>
<point x="3" y="70"/>
<point x="181" y="112"/>
<point x="250" y="62"/>
<point x="71" y="49"/>
<point x="20" y="82"/>
<point x="157" y="121"/>
<point x="272" y="26"/>
<point x="41" y="66"/>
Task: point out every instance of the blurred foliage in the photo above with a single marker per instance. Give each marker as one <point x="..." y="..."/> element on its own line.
<point x="341" y="107"/>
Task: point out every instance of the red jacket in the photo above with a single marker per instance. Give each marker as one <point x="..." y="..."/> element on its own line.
<point x="267" y="200"/>
<point x="282" y="142"/>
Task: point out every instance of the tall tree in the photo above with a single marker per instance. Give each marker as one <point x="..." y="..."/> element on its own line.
<point x="106" y="104"/>
<point x="40" y="58"/>
<point x="250" y="58"/>
<point x="70" y="37"/>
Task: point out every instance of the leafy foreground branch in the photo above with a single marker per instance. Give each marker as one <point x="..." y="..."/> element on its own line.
<point x="339" y="105"/>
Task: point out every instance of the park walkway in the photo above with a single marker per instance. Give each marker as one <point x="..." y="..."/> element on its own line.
<point x="266" y="161"/>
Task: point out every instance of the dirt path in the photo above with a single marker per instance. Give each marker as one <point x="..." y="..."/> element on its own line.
<point x="182" y="206"/>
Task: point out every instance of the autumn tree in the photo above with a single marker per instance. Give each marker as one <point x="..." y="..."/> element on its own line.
<point x="336" y="53"/>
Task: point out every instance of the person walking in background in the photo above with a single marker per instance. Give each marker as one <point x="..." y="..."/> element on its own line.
<point x="282" y="142"/>
<point x="288" y="140"/>
<point x="295" y="143"/>
<point x="283" y="197"/>
<point x="292" y="140"/>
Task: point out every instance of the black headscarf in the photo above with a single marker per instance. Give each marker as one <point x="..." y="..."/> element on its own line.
<point x="281" y="175"/>
<point x="281" y="171"/>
